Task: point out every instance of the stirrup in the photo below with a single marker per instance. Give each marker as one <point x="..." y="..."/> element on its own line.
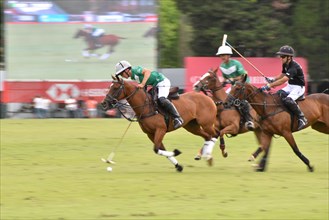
<point x="178" y="122"/>
<point x="302" y="122"/>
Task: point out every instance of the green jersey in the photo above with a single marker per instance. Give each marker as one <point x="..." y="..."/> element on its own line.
<point x="232" y="69"/>
<point x="155" y="77"/>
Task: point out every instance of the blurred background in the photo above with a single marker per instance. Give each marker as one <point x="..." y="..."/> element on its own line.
<point x="40" y="57"/>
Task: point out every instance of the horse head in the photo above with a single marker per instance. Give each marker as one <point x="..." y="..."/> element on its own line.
<point x="209" y="81"/>
<point x="241" y="90"/>
<point x="81" y="33"/>
<point x="118" y="90"/>
<point x="114" y="94"/>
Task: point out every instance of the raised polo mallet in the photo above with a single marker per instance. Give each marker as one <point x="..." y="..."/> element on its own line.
<point x="112" y="154"/>
<point x="225" y="42"/>
<point x="224" y="39"/>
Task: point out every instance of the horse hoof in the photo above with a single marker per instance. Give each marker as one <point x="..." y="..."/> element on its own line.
<point x="260" y="169"/>
<point x="177" y="152"/>
<point x="210" y="161"/>
<point x="225" y="154"/>
<point x="179" y="168"/>
<point x="197" y="157"/>
<point x="311" y="168"/>
<point x="251" y="158"/>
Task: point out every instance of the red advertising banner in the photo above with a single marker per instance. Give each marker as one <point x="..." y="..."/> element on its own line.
<point x="56" y="91"/>
<point x="195" y="67"/>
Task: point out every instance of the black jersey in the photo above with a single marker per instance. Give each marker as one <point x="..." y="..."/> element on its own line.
<point x="294" y="72"/>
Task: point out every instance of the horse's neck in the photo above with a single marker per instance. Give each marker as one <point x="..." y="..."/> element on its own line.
<point x="220" y="95"/>
<point x="137" y="101"/>
<point x="264" y="103"/>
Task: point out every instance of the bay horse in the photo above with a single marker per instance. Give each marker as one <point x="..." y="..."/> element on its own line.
<point x="228" y="117"/>
<point x="197" y="110"/>
<point x="109" y="40"/>
<point x="276" y="120"/>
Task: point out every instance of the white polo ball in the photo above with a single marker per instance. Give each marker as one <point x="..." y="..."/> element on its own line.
<point x="109" y="169"/>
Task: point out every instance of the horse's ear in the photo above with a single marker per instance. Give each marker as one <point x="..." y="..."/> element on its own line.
<point x="215" y="71"/>
<point x="113" y="77"/>
<point x="245" y="77"/>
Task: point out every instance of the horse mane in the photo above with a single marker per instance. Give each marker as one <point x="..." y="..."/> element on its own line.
<point x="268" y="96"/>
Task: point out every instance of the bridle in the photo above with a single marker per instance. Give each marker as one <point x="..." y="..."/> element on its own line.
<point x="241" y="93"/>
<point x="204" y="86"/>
<point x="113" y="102"/>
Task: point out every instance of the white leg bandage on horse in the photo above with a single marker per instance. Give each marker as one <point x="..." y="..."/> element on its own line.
<point x="165" y="153"/>
<point x="214" y="140"/>
<point x="105" y="56"/>
<point x="208" y="147"/>
<point x="173" y="160"/>
<point x="85" y="53"/>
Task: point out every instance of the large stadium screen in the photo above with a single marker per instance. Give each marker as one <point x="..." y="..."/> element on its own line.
<point x="43" y="41"/>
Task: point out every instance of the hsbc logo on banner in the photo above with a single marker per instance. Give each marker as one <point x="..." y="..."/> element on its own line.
<point x="60" y="92"/>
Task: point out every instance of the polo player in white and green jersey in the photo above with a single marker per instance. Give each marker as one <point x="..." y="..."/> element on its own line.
<point x="233" y="71"/>
<point x="145" y="77"/>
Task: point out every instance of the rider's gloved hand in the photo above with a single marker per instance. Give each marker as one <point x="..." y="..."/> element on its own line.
<point x="269" y="80"/>
<point x="140" y="86"/>
<point x="267" y="87"/>
<point x="225" y="83"/>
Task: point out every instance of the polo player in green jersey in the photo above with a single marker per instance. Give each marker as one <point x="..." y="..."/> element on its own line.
<point x="233" y="71"/>
<point x="145" y="77"/>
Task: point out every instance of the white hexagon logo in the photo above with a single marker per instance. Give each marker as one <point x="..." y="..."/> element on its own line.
<point x="60" y="92"/>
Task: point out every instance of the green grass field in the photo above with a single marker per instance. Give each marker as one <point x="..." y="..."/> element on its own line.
<point x="51" y="169"/>
<point x="41" y="51"/>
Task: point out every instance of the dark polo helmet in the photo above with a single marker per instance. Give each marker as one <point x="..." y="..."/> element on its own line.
<point x="286" y="50"/>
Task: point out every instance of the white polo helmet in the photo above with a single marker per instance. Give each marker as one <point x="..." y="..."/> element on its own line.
<point x="121" y="66"/>
<point x="224" y="50"/>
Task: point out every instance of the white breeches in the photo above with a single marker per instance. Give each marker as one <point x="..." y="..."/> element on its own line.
<point x="294" y="91"/>
<point x="98" y="32"/>
<point x="163" y="88"/>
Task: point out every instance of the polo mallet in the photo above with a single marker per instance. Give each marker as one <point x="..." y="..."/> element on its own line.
<point x="112" y="154"/>
<point x="225" y="42"/>
<point x="224" y="39"/>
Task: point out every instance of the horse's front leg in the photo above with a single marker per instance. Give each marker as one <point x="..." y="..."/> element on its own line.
<point x="223" y="147"/>
<point x="231" y="129"/>
<point x="160" y="150"/>
<point x="259" y="149"/>
<point x="221" y="143"/>
<point x="266" y="140"/>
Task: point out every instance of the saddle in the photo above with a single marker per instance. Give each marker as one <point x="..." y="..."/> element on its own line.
<point x="173" y="95"/>
<point x="300" y="98"/>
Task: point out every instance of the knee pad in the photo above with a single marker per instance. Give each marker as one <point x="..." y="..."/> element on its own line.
<point x="288" y="101"/>
<point x="162" y="101"/>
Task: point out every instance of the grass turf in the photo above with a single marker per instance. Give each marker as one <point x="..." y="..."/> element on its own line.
<point x="51" y="169"/>
<point x="48" y="51"/>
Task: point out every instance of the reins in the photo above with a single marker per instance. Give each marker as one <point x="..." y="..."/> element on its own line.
<point x="264" y="103"/>
<point x="118" y="105"/>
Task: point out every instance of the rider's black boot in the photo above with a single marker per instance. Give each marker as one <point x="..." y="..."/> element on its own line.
<point x="171" y="109"/>
<point x="244" y="110"/>
<point x="294" y="108"/>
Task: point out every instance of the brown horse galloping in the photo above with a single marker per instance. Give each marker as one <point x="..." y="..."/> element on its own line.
<point x="197" y="110"/>
<point x="228" y="118"/>
<point x="110" y="40"/>
<point x="276" y="119"/>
